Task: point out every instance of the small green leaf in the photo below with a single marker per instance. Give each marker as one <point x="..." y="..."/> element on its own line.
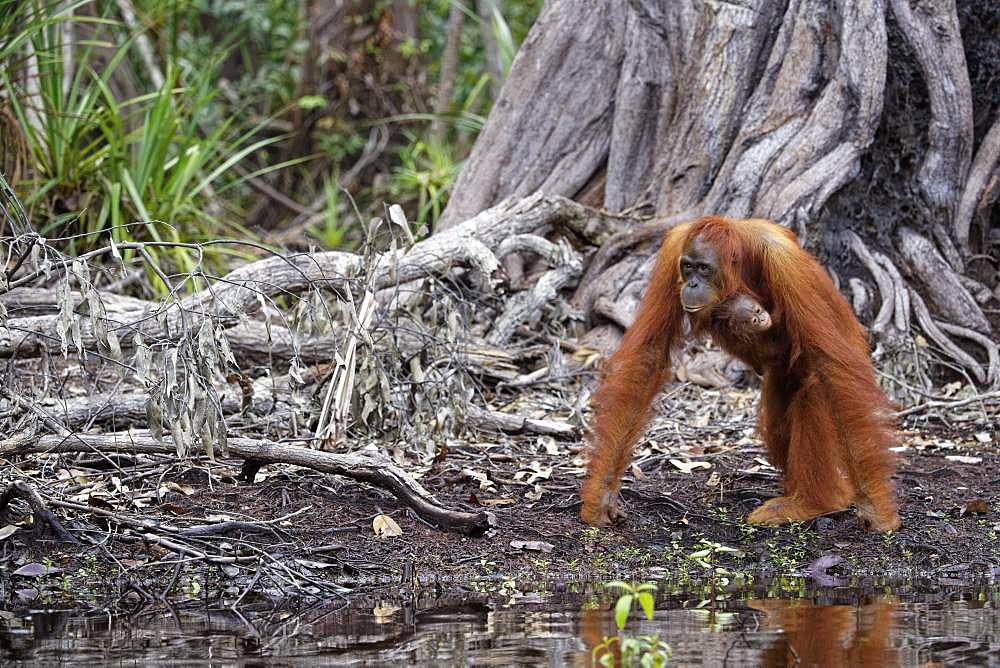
<point x="308" y="102"/>
<point x="647" y="603"/>
<point x="622" y="608"/>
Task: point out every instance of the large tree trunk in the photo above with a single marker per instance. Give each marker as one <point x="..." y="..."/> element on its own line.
<point x="854" y="122"/>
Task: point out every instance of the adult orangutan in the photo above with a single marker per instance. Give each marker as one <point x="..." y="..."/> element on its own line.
<point x="825" y="421"/>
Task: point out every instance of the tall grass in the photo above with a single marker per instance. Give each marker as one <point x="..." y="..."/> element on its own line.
<point x="147" y="167"/>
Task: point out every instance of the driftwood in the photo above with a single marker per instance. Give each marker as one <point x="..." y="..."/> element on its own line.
<point x="374" y="469"/>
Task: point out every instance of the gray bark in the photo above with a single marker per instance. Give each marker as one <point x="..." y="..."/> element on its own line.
<point x="946" y="292"/>
<point x="931" y="28"/>
<point x="751" y="109"/>
<point x="449" y="67"/>
<point x="551" y="128"/>
<point x="983" y="184"/>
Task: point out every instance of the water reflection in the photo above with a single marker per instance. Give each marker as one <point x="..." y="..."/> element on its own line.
<point x="773" y="632"/>
<point x="830" y="628"/>
<point x="830" y="635"/>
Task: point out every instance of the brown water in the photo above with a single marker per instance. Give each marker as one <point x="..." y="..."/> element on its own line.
<point x="835" y="627"/>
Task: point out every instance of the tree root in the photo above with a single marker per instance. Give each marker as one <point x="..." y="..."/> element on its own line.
<point x="882" y="279"/>
<point x="898" y="300"/>
<point x="982" y="187"/>
<point x="943" y="287"/>
<point x="949" y="347"/>
<point x="992" y="350"/>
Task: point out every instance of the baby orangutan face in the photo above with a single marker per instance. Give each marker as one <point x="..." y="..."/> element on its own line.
<point x="744" y="316"/>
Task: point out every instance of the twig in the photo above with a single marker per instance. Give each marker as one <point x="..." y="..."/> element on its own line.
<point x="49" y="421"/>
<point x="988" y="396"/>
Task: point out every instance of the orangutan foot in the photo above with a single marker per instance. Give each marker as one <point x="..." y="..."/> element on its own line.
<point x="785" y="509"/>
<point x="605" y="511"/>
<point x="877" y="519"/>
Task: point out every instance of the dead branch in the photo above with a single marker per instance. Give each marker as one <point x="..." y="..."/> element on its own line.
<point x="250" y="339"/>
<point x="47" y="419"/>
<point x="242" y="291"/>
<point x="514" y="423"/>
<point x="374" y="469"/>
<point x="950" y="404"/>
<point x="566" y="267"/>
<point x="26" y="301"/>
<point x="121" y="409"/>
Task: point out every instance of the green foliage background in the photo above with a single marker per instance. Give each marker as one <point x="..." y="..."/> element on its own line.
<point x="257" y="131"/>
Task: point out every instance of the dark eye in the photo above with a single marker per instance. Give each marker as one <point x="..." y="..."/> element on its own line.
<point x="685" y="267"/>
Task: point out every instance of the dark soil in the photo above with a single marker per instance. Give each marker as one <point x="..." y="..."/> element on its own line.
<point x="947" y="481"/>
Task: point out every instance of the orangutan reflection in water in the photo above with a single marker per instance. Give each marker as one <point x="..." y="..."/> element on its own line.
<point x="812" y="635"/>
<point x="829" y="635"/>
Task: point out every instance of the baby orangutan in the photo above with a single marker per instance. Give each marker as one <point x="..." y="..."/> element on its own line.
<point x="741" y="316"/>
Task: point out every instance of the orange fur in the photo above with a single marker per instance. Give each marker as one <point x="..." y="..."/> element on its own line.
<point x="829" y="635"/>
<point x="823" y="417"/>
